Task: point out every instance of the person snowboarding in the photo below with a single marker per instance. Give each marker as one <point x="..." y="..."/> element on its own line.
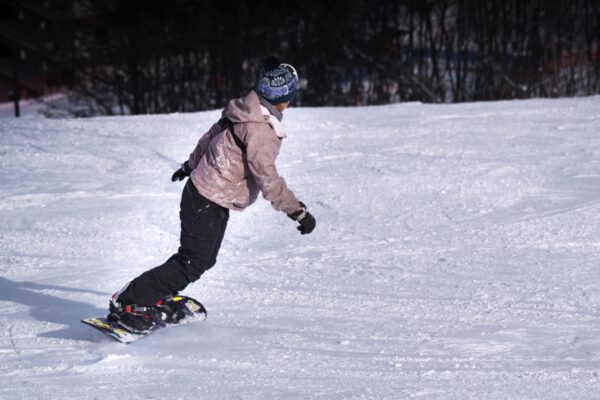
<point x="231" y="164"/>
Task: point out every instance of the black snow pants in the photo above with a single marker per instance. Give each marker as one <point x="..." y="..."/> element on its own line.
<point x="203" y="224"/>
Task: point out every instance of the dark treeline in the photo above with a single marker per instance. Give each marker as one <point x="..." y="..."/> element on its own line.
<point x="146" y="56"/>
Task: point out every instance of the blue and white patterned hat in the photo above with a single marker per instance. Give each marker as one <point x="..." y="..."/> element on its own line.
<point x="277" y="82"/>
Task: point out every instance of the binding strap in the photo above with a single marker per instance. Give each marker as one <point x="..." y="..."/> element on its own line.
<point x="132" y="308"/>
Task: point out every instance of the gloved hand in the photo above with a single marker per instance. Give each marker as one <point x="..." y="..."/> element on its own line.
<point x="304" y="218"/>
<point x="181" y="173"/>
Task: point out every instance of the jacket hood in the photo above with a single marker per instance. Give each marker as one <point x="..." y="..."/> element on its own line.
<point x="245" y="109"/>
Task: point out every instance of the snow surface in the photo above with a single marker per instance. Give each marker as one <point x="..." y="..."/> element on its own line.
<point x="456" y="256"/>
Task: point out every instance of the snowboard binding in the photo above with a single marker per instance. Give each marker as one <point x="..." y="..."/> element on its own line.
<point x="143" y="319"/>
<point x="134" y="318"/>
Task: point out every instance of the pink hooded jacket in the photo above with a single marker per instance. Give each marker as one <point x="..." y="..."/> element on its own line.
<point x="225" y="175"/>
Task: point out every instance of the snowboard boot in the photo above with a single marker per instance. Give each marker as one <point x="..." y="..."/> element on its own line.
<point x="133" y="317"/>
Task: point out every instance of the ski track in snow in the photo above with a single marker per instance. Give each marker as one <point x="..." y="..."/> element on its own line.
<point x="455" y="257"/>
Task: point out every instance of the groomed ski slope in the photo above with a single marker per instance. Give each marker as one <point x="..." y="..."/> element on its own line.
<point x="456" y="256"/>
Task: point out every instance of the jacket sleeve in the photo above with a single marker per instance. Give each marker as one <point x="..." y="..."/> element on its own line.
<point x="262" y="148"/>
<point x="203" y="145"/>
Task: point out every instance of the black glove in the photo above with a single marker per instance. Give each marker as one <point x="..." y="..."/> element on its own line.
<point x="305" y="219"/>
<point x="181" y="173"/>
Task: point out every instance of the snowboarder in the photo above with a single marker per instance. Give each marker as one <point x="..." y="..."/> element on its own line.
<point x="231" y="163"/>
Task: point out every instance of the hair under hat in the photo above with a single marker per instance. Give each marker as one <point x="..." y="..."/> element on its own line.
<point x="277" y="82"/>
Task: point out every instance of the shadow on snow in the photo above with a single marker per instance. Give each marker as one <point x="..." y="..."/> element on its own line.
<point x="51" y="308"/>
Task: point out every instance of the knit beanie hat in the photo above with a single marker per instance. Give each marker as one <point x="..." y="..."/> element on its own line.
<point x="277" y="82"/>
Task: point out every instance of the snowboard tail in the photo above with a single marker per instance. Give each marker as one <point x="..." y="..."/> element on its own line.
<point x="192" y="309"/>
<point x="112" y="329"/>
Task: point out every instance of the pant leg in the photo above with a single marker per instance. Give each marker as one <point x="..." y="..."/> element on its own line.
<point x="202" y="232"/>
<point x="203" y="225"/>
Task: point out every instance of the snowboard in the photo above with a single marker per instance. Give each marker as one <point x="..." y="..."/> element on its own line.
<point x="192" y="309"/>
